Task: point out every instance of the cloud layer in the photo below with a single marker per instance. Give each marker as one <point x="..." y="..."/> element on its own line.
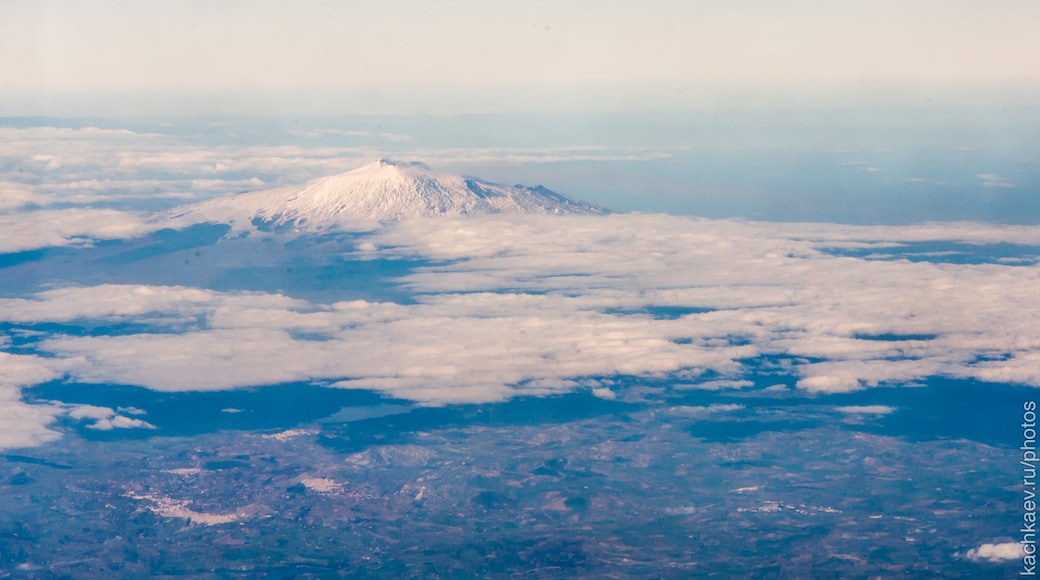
<point x="536" y="306"/>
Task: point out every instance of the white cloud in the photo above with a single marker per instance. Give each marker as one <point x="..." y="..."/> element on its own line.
<point x="21" y="424"/>
<point x="91" y="412"/>
<point x="50" y="228"/>
<point x="993" y="180"/>
<point x="703" y="411"/>
<point x="715" y="385"/>
<point x="996" y="552"/>
<point x="604" y="393"/>
<point x="530" y="306"/>
<point x="15" y="196"/>
<point x="24" y="425"/>
<point x="866" y="409"/>
<point x="106" y="419"/>
<point x="500" y="346"/>
<point x="769" y="284"/>
<point x="151" y="304"/>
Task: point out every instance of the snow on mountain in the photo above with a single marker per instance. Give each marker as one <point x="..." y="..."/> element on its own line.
<point x="377" y="192"/>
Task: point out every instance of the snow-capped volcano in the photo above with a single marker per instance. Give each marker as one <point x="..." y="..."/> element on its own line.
<point x="380" y="191"/>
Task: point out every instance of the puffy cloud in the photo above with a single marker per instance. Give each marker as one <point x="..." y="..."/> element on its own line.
<point x="20" y="370"/>
<point x="996" y="552"/>
<point x="21" y="424"/>
<point x="106" y="419"/>
<point x="91" y="412"/>
<point x="40" y="229"/>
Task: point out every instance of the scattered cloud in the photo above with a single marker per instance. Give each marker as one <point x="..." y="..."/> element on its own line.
<point x="716" y="385"/>
<point x="864" y="166"/>
<point x="703" y="411"/>
<point x="156" y="305"/>
<point x="604" y="393"/>
<point x="106" y="419"/>
<point x="996" y="552"/>
<point x="993" y="180"/>
<point x="866" y="409"/>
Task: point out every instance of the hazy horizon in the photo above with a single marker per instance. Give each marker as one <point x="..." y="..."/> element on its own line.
<point x="408" y="57"/>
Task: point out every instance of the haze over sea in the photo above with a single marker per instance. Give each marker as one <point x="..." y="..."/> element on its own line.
<point x="895" y="164"/>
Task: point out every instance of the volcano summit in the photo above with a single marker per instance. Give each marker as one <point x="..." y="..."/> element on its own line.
<point x="380" y="191"/>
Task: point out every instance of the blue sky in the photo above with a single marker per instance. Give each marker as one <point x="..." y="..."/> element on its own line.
<point x="408" y="56"/>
